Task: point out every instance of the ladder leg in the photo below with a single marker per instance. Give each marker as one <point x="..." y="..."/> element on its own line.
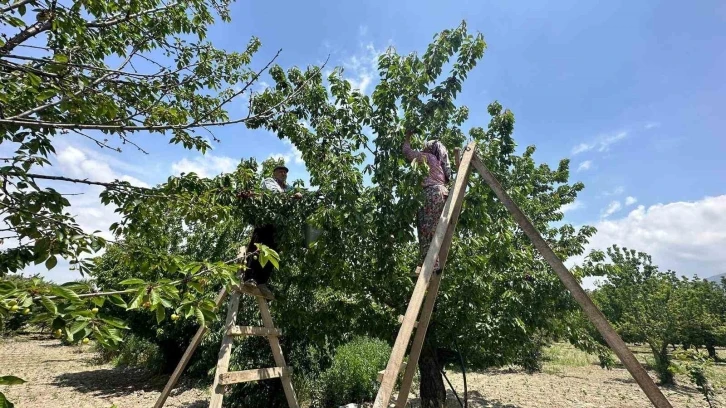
<point x="277" y="353"/>
<point x="196" y="340"/>
<point x="225" y="352"/>
<point x="418" y="341"/>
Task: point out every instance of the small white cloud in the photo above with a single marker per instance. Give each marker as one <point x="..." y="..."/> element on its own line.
<point x="362" y="30"/>
<point x="295" y="153"/>
<point x="575" y="205"/>
<point x="582" y="147"/>
<point x="616" y="191"/>
<point x="651" y="125"/>
<point x="287" y="158"/>
<point x="611" y="209"/>
<point x="584" y="165"/>
<point x="205" y="166"/>
<point x="602" y="143"/>
<point x="630" y="200"/>
<point x="361" y="68"/>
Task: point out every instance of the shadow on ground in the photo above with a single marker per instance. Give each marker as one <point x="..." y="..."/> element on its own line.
<point x="196" y="404"/>
<point x="111" y="382"/>
<point x="476" y="400"/>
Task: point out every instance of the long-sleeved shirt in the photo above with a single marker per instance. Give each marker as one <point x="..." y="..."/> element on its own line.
<point x="272" y="185"/>
<point x="436" y="172"/>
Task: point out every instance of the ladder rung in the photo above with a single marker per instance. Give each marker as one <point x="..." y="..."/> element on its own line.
<point x="400" y="320"/>
<point x="254" y="292"/>
<point x="254" y="375"/>
<point x="382" y="372"/>
<point x="253" y="331"/>
<point x="416" y="272"/>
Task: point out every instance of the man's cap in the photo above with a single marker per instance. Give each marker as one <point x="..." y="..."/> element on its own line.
<point x="280" y="168"/>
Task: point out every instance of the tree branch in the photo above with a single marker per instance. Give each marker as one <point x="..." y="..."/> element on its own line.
<point x="114" y="186"/>
<point x="122" y="18"/>
<point x="124" y="128"/>
<point x="81" y="91"/>
<point x="15" y="6"/>
<point x="24" y="35"/>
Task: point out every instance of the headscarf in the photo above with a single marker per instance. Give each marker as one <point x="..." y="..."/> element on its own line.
<point x="438" y="149"/>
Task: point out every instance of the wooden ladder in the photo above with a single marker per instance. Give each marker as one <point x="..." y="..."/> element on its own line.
<point x="222" y="376"/>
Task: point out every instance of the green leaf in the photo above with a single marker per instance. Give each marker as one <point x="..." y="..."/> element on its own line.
<point x="98" y="301"/>
<point x="132" y="282"/>
<point x="49" y="305"/>
<point x="138" y="299"/>
<point x="65" y="293"/>
<point x="117" y="300"/>
<point x="51" y="262"/>
<point x="115" y="322"/>
<point x="11" y="380"/>
<point x="200" y="316"/>
<point x="160" y="313"/>
<point x="45" y="95"/>
<point x="60" y="58"/>
<point x="78" y="326"/>
<point x="4" y="403"/>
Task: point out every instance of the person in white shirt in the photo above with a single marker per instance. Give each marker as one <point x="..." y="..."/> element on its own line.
<point x="256" y="274"/>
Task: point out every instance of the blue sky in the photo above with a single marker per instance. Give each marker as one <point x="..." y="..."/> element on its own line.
<point x="632" y="92"/>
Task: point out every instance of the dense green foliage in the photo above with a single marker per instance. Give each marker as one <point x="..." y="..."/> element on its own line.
<point x="352" y="376"/>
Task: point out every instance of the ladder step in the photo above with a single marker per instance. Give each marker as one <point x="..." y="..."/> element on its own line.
<point x="382" y="372"/>
<point x="254" y="292"/>
<point x="400" y="320"/>
<point x="254" y="375"/>
<point x="416" y="272"/>
<point x="253" y="331"/>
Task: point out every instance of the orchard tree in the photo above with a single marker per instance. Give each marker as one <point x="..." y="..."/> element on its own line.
<point x="116" y="73"/>
<point x="640" y="300"/>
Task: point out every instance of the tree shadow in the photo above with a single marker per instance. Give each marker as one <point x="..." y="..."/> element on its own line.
<point x="196" y="404"/>
<point x="475" y="398"/>
<point x="111" y="382"/>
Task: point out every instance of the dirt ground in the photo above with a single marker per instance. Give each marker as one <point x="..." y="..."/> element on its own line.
<point x="71" y="377"/>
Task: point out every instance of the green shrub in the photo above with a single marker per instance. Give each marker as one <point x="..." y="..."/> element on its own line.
<point x="352" y="377"/>
<point x="137" y="352"/>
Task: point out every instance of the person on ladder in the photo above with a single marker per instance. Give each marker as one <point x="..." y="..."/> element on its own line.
<point x="435" y="155"/>
<point x="255" y="274"/>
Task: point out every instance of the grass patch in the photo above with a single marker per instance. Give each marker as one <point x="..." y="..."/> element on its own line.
<point x="561" y="355"/>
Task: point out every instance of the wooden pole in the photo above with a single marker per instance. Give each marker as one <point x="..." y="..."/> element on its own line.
<point x="592" y="312"/>
<point x="449" y="214"/>
<point x="196" y="340"/>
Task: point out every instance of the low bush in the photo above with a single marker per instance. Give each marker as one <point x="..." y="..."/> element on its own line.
<point x="352" y="377"/>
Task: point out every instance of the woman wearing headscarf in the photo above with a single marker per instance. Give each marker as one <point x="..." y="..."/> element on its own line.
<point x="435" y="155"/>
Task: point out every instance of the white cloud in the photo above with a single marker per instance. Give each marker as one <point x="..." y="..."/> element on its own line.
<point x="287" y="158"/>
<point x="205" y="166"/>
<point x="651" y="125"/>
<point x="601" y="143"/>
<point x="575" y="205"/>
<point x="611" y="209"/>
<point x="687" y="237"/>
<point x="584" y="165"/>
<point x="86" y="207"/>
<point x="630" y="200"/>
<point x="582" y="147"/>
<point x="361" y="68"/>
<point x="295" y="153"/>
<point x="616" y="191"/>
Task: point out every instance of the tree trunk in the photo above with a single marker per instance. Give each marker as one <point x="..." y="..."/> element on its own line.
<point x="433" y="393"/>
<point x="711" y="351"/>
<point x="662" y="362"/>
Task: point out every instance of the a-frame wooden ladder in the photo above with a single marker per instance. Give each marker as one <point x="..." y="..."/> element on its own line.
<point x="424" y="294"/>
<point x="222" y="376"/>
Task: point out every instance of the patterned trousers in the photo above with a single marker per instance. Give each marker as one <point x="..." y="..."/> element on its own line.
<point x="428" y="217"/>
